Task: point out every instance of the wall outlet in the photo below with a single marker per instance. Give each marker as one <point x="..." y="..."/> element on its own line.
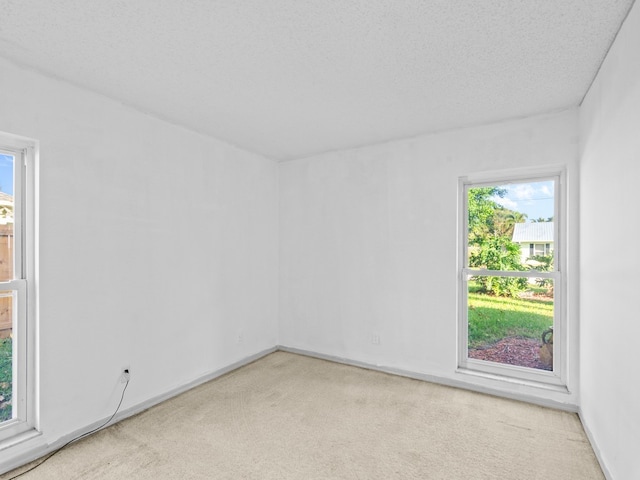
<point x="375" y="338"/>
<point x="125" y="374"/>
<point x="240" y="337"/>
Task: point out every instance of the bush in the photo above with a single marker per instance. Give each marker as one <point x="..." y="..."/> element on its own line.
<point x="498" y="253"/>
<point x="544" y="264"/>
<point x="6" y="379"/>
<point x="502" y="286"/>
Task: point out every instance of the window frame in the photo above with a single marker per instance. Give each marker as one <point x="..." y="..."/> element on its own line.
<point x="546" y="249"/>
<point x="556" y="379"/>
<point x="25" y="152"/>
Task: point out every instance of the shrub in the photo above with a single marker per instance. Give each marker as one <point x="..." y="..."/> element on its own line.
<point x="498" y="253"/>
<point x="544" y="264"/>
<point x="6" y="379"/>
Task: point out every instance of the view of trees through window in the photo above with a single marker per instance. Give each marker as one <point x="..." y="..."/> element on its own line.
<point x="510" y="291"/>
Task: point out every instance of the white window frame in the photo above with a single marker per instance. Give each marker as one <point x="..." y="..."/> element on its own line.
<point x="24" y="398"/>
<point x="556" y="379"/>
<point x="546" y="249"/>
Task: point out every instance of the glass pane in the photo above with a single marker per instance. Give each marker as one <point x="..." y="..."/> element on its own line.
<point x="6" y="355"/>
<point x="6" y="216"/>
<point x="511" y="321"/>
<point x="511" y="226"/>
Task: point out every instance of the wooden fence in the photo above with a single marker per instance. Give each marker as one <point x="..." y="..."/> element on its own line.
<point x="6" y="273"/>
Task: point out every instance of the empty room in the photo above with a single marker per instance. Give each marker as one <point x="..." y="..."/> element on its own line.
<point x="319" y="239"/>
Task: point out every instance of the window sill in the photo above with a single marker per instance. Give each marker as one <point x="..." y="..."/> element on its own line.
<point x="511" y="381"/>
<point x="19" y="438"/>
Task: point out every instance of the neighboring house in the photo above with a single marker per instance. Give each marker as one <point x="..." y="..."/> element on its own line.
<point x="534" y="239"/>
<point x="6" y="209"/>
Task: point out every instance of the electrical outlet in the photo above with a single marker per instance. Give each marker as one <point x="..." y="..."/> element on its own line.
<point x="240" y="337"/>
<point x="375" y="338"/>
<point x="125" y="374"/>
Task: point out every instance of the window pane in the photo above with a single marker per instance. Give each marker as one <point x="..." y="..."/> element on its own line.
<point x="510" y="226"/>
<point x="510" y="321"/>
<point x="6" y="217"/>
<point x="6" y="355"/>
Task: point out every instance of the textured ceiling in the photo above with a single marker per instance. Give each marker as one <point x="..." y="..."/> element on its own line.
<point x="290" y="78"/>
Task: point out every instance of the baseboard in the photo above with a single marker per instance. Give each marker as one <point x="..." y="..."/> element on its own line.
<point x="434" y="379"/>
<point x="128" y="412"/>
<point x="594" y="446"/>
<point x="28" y="452"/>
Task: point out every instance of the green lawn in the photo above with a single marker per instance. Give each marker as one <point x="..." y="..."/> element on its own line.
<point x="493" y="318"/>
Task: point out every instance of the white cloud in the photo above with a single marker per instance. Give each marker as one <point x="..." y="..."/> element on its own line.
<point x="506" y="203"/>
<point x="534" y="199"/>
<point x="522" y="191"/>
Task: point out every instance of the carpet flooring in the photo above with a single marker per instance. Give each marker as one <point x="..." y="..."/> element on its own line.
<point x="288" y="416"/>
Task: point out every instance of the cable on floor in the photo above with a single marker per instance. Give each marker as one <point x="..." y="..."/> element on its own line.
<point x="78" y="437"/>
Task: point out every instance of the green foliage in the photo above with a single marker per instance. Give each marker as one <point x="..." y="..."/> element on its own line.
<point x="496" y="253"/>
<point x="502" y="286"/>
<point x="482" y="211"/>
<point x="544" y="264"/>
<point x="505" y="221"/>
<point x="490" y="230"/>
<point x="493" y="318"/>
<point x="6" y="379"/>
<point x="487" y="217"/>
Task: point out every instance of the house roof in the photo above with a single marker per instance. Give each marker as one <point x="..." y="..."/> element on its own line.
<point x="533" y="232"/>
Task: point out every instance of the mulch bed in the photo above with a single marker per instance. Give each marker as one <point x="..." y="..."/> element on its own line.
<point x="522" y="352"/>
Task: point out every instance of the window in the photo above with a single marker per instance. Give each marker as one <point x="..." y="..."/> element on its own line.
<point x="539" y="249"/>
<point x="17" y="160"/>
<point x="511" y="320"/>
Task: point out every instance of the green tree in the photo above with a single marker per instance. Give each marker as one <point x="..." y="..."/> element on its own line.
<point x="505" y="221"/>
<point x="482" y="209"/>
<point x="490" y="245"/>
<point x="498" y="253"/>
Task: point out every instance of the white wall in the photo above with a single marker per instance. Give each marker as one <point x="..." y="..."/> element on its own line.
<point x="368" y="242"/>
<point x="610" y="323"/>
<point x="158" y="247"/>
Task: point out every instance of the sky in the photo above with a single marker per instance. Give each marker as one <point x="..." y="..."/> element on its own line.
<point x="6" y="174"/>
<point x="532" y="198"/>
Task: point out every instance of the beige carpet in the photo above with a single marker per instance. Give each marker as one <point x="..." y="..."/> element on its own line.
<point x="288" y="416"/>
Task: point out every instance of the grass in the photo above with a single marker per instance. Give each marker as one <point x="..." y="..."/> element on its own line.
<point x="6" y="380"/>
<point x="494" y="318"/>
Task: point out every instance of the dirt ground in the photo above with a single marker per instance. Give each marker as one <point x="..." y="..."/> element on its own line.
<point x="522" y="352"/>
